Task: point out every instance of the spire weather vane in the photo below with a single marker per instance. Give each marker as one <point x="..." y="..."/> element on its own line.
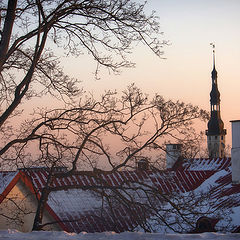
<point x="213" y="46"/>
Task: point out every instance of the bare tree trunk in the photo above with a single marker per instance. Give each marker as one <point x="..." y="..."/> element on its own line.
<point x="7" y="30"/>
<point x="37" y="224"/>
<point x="39" y="213"/>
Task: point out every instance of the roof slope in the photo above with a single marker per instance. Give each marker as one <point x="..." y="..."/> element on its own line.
<point x="7" y="181"/>
<point x="81" y="209"/>
<point x="5" y="178"/>
<point x="79" y="201"/>
<point x="202" y="164"/>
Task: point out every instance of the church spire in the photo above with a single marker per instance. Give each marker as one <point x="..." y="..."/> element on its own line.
<point x="214" y="72"/>
<point x="215" y="94"/>
<point x="213" y="46"/>
<point x="216" y="132"/>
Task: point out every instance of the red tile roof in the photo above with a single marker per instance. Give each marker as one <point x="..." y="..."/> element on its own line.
<point x="205" y="164"/>
<point x="78" y="208"/>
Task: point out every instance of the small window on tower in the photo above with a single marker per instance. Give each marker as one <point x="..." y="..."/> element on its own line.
<point x="222" y="137"/>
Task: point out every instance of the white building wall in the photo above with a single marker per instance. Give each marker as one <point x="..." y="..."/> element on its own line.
<point x="235" y="152"/>
<point x="17" y="210"/>
<point x="173" y="152"/>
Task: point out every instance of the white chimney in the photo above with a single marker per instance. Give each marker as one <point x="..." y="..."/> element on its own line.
<point x="235" y="152"/>
<point x="173" y="152"/>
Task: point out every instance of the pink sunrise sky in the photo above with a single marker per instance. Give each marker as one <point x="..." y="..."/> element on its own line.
<point x="185" y="74"/>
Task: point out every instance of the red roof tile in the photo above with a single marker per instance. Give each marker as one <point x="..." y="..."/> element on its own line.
<point x="80" y="210"/>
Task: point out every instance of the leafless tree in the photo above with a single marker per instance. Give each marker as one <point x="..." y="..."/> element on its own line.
<point x="131" y="120"/>
<point x="77" y="135"/>
<point x="85" y="137"/>
<point x="30" y="30"/>
<point x="34" y="32"/>
<point x="154" y="210"/>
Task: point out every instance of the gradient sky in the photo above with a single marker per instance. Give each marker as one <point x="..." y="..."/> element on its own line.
<point x="185" y="74"/>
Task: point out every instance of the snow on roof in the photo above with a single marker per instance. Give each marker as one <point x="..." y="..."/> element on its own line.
<point x="224" y="196"/>
<point x="209" y="164"/>
<point x="5" y="178"/>
<point x="76" y="208"/>
<point x="166" y="181"/>
<point x="82" y="209"/>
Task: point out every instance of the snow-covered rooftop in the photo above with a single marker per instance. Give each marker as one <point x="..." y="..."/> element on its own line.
<point x="209" y="164"/>
<point x="75" y="202"/>
<point x="5" y="178"/>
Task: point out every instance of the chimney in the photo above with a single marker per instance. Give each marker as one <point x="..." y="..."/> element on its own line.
<point x="143" y="164"/>
<point x="173" y="152"/>
<point x="235" y="152"/>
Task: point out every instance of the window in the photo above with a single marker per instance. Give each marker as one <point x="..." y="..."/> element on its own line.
<point x="222" y="137"/>
<point x="216" y="137"/>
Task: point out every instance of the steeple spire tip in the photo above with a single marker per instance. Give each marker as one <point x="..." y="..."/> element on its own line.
<point x="213" y="46"/>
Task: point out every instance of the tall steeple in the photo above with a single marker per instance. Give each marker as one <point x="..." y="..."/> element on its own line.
<point x="216" y="132"/>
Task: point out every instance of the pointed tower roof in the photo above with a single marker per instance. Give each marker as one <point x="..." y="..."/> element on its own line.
<point x="214" y="94"/>
<point x="215" y="124"/>
<point x="214" y="72"/>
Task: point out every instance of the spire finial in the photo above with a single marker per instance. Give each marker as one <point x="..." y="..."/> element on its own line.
<point x="213" y="46"/>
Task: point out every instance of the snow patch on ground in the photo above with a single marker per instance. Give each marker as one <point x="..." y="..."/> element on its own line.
<point x="15" y="235"/>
